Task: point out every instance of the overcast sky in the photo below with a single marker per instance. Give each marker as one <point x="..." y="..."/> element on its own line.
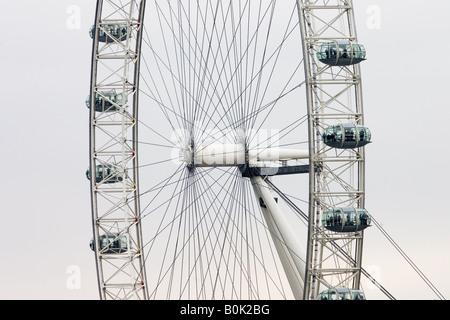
<point x="45" y="205"/>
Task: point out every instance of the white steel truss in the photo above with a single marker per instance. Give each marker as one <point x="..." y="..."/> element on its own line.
<point x="336" y="175"/>
<point x="113" y="168"/>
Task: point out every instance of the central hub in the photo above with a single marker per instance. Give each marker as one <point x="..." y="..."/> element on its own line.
<point x="235" y="155"/>
<point x="214" y="155"/>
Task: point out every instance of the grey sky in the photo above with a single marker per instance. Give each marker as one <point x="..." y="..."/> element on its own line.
<point x="45" y="204"/>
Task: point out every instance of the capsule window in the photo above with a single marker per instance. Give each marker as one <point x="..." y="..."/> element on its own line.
<point x="333" y="135"/>
<point x="346" y="220"/>
<point x="341" y="53"/>
<point x="341" y="294"/>
<point x="346" y="136"/>
<point x="111" y="243"/>
<point x="106" y="101"/>
<point x="106" y="173"/>
<point x="111" y="33"/>
<point x="350" y="134"/>
<point x="364" y="134"/>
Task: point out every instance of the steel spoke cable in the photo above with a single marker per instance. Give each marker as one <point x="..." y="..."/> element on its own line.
<point x="174" y="79"/>
<point x="263" y="58"/>
<point x="227" y="213"/>
<point x="253" y="66"/>
<point x="216" y="236"/>
<point x="220" y="38"/>
<point x="288" y="129"/>
<point x="281" y="96"/>
<point x="196" y="227"/>
<point x="259" y="221"/>
<point x="173" y="195"/>
<point x="177" y="235"/>
<point x="254" y="78"/>
<point x="270" y="104"/>
<point x="210" y="56"/>
<point x="233" y="77"/>
<point x="166" y="251"/>
<point x="333" y="243"/>
<point x="226" y="113"/>
<point x="239" y="63"/>
<point x="161" y="228"/>
<point x="177" y="216"/>
<point x="238" y="228"/>
<point x="266" y="234"/>
<point x="408" y="260"/>
<point x="276" y="54"/>
<point x="184" y="62"/>
<point x="159" y="186"/>
<point x="178" y="60"/>
<point x="300" y="120"/>
<point x="163" y="106"/>
<point x="183" y="88"/>
<point x="235" y="68"/>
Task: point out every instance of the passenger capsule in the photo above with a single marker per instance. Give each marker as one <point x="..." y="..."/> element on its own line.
<point x="106" y="101"/>
<point x="106" y="173"/>
<point x="110" y="33"/>
<point x="346" y="220"/>
<point x="341" y="53"/>
<point x="111" y="243"/>
<point x="347" y="136"/>
<point x="341" y="294"/>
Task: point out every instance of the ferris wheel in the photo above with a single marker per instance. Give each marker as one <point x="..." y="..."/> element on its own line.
<point x="227" y="150"/>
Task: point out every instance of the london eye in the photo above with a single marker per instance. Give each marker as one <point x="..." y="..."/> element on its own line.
<point x="227" y="150"/>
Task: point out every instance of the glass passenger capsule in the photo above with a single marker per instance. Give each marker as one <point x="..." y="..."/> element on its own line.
<point x="106" y="173"/>
<point x="106" y="101"/>
<point x="346" y="136"/>
<point x="346" y="220"/>
<point x="341" y="294"/>
<point x="110" y="33"/>
<point x="341" y="53"/>
<point x="112" y="243"/>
